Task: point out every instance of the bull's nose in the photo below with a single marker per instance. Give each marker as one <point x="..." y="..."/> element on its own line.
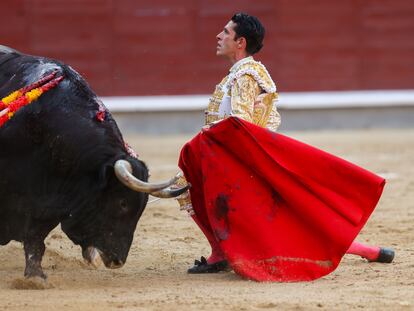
<point x="115" y="264"/>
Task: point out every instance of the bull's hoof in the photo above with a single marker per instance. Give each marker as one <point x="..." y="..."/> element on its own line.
<point x="202" y="266"/>
<point x="386" y="255"/>
<point x="35" y="283"/>
<point x="34" y="273"/>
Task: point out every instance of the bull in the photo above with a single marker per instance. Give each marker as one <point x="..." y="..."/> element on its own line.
<point x="63" y="161"/>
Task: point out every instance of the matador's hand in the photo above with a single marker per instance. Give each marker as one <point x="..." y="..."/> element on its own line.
<point x="206" y="127"/>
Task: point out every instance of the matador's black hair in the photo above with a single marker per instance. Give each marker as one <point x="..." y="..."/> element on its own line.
<point x="251" y="29"/>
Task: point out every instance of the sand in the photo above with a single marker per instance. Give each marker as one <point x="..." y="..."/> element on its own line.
<point x="166" y="243"/>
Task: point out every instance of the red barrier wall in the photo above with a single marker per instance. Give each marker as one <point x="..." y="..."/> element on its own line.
<point x="131" y="47"/>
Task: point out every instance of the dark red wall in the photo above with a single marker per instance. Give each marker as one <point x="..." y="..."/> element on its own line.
<point x="130" y="47"/>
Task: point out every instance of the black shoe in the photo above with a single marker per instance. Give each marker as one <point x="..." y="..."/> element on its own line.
<point x="386" y="255"/>
<point x="202" y="266"/>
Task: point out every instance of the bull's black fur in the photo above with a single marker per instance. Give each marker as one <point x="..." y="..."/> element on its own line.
<point x="56" y="166"/>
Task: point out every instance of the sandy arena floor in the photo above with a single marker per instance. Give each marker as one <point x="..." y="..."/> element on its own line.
<point x="166" y="243"/>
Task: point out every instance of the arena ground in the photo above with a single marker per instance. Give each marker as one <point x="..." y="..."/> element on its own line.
<point x="167" y="242"/>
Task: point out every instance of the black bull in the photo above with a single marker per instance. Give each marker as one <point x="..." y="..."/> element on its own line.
<point x="58" y="164"/>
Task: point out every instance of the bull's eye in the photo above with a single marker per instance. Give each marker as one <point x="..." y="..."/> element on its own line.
<point x="124" y="205"/>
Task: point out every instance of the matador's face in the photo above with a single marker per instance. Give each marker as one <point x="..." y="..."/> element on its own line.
<point x="227" y="45"/>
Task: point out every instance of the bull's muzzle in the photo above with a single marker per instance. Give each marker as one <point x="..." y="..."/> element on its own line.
<point x="95" y="257"/>
<point x="115" y="264"/>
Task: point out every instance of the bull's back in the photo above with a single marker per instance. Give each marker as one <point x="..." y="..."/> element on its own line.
<point x="18" y="70"/>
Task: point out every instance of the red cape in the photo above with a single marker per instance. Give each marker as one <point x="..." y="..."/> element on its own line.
<point x="280" y="209"/>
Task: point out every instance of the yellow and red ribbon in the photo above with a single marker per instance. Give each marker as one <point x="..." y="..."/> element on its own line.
<point x="24" y="96"/>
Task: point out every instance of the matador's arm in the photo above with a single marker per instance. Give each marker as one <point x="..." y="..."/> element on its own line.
<point x="243" y="94"/>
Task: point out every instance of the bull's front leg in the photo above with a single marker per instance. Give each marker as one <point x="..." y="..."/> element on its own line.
<point x="34" y="248"/>
<point x="34" y="251"/>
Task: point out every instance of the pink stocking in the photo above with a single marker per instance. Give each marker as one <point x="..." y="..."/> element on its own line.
<point x="369" y="252"/>
<point x="216" y="252"/>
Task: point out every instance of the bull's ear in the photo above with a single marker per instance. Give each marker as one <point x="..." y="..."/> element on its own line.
<point x="105" y="174"/>
<point x="140" y="169"/>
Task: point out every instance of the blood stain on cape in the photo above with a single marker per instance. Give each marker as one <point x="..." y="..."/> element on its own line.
<point x="221" y="212"/>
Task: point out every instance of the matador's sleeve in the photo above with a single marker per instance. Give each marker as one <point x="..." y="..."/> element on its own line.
<point x="184" y="199"/>
<point x="243" y="94"/>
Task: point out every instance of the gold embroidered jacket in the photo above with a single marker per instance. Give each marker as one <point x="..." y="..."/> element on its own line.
<point x="250" y="93"/>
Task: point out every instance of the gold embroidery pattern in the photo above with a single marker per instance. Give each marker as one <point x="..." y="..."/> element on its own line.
<point x="274" y="120"/>
<point x="184" y="199"/>
<point x="244" y="85"/>
<point x="258" y="72"/>
<point x="261" y="109"/>
<point x="211" y="113"/>
<point x="263" y="106"/>
<point x="243" y="94"/>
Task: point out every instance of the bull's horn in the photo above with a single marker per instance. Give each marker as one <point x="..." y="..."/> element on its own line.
<point x="123" y="171"/>
<point x="170" y="192"/>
